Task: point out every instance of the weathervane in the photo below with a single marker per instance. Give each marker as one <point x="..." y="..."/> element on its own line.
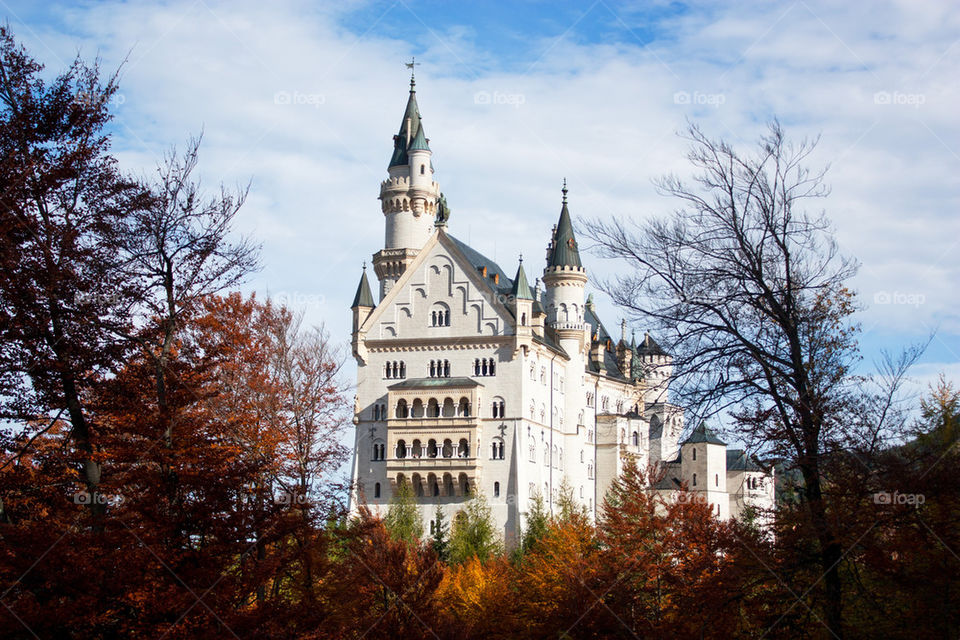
<point x="564" y="190"/>
<point x="410" y="65"/>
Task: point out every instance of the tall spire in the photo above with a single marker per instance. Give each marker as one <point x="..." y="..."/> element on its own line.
<point x="564" y="251"/>
<point x="410" y="127"/>
<point x="363" y="298"/>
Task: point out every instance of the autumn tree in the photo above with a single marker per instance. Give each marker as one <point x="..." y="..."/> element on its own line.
<point x="749" y="293"/>
<point x="536" y="524"/>
<point x="64" y="299"/>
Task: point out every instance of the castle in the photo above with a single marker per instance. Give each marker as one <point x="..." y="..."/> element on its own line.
<point x="469" y="379"/>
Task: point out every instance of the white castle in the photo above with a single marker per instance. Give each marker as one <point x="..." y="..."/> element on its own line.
<point x="468" y="379"/>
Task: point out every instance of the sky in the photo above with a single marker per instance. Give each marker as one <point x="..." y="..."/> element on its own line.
<point x="302" y="100"/>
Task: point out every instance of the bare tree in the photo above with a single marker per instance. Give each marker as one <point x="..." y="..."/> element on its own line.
<point x="749" y="292"/>
<point x="179" y="250"/>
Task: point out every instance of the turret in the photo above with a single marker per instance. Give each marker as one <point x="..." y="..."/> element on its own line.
<point x="408" y="197"/>
<point x="362" y="307"/>
<point x="657" y="368"/>
<point x="625" y="352"/>
<point x="703" y="468"/>
<point x="521" y="302"/>
<point x="565" y="279"/>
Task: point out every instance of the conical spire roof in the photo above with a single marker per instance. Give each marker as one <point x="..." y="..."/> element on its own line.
<point x="419" y="142"/>
<point x="363" y="298"/>
<point x="410" y="130"/>
<point x="565" y="252"/>
<point x="521" y="290"/>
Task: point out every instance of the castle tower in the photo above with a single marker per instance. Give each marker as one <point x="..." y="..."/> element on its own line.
<point x="565" y="279"/>
<point x="362" y="307"/>
<point x="521" y="303"/>
<point x="408" y="197"/>
<point x="703" y="468"/>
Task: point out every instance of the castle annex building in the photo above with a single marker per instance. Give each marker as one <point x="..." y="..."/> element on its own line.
<point x="472" y="379"/>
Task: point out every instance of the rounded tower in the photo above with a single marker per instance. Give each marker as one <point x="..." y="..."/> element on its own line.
<point x="565" y="280"/>
<point x="408" y="197"/>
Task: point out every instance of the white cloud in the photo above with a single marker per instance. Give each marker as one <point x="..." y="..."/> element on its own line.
<point x="306" y="108"/>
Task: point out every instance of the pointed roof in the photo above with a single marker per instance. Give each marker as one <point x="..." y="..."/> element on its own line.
<point x="521" y="290"/>
<point x="419" y="142"/>
<point x="410" y="124"/>
<point x="703" y="434"/>
<point x="363" y="298"/>
<point x="649" y="347"/>
<point x="564" y="251"/>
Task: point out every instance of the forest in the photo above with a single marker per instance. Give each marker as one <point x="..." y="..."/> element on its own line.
<point x="170" y="448"/>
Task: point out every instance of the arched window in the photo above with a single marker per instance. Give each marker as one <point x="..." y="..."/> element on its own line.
<point x="376" y="490"/>
<point x="402" y="411"/>
<point x="433" y="408"/>
<point x="401" y="451"/>
<point x="432" y="448"/>
<point x="463" y="450"/>
<point x="498" y="408"/>
<point x="694" y="453"/>
<point x="694" y="479"/>
<point x="440" y="315"/>
<point x="496" y="489"/>
<point x="589" y="399"/>
<point x="447" y="448"/>
<point x="716" y="479"/>
<point x="546" y="455"/>
<point x="463" y="408"/>
<point x="635" y="439"/>
<point x="422" y="169"/>
<point x="496" y="449"/>
<point x="446" y="368"/>
<point x="476" y="367"/>
<point x="590" y="471"/>
<point x="533" y="452"/>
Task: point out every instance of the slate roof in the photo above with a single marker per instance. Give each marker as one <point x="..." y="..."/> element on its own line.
<point x="363" y="298"/>
<point x="703" y="434"/>
<point x="521" y="289"/>
<point x="649" y="347"/>
<point x="565" y="252"/>
<point x="435" y="383"/>
<point x="412" y="112"/>
<point x="738" y="460"/>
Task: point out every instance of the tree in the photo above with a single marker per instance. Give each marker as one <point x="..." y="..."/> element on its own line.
<point x="403" y="520"/>
<point x="62" y="294"/>
<point x="536" y="525"/>
<point x="439" y="541"/>
<point x="750" y="294"/>
<point x="473" y="532"/>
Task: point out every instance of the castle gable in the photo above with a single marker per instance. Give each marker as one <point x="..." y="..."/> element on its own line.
<point x="442" y="294"/>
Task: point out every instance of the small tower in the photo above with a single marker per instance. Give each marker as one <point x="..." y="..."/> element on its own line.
<point x="657" y="368"/>
<point x="625" y="353"/>
<point x="521" y="303"/>
<point x="408" y="197"/>
<point x="565" y="279"/>
<point x="362" y="307"/>
<point x="703" y="468"/>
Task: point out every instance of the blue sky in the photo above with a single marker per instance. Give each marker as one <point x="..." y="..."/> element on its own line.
<point x="303" y="99"/>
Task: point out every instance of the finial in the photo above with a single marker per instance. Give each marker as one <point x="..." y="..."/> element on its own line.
<point x="564" y="190"/>
<point x="410" y="65"/>
<point x="521" y="257"/>
<point x="364" y="265"/>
